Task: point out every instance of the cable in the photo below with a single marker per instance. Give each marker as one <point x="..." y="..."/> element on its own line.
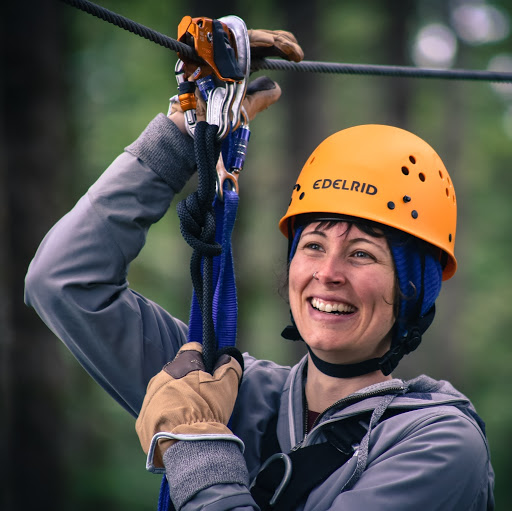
<point x="310" y="66"/>
<point x="283" y="65"/>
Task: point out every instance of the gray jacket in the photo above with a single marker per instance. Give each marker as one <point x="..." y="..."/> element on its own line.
<point x="433" y="456"/>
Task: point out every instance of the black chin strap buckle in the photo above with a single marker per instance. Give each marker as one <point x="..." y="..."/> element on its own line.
<point x="408" y="343"/>
<point x="390" y="360"/>
<point x="412" y="341"/>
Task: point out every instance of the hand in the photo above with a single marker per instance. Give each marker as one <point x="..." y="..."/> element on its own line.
<point x="274" y="43"/>
<point x="183" y="399"/>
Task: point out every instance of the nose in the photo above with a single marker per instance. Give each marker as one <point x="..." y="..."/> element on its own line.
<point x="331" y="271"/>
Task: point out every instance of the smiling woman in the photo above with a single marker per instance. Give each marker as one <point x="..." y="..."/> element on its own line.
<point x="354" y="275"/>
<point x="365" y="270"/>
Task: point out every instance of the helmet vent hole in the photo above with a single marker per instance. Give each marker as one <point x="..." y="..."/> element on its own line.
<point x="449" y="237"/>
<point x="301" y="196"/>
<point x="440" y="174"/>
<point x="414" y="214"/>
<point x="405" y="171"/>
<point x="296" y="187"/>
<point x="391" y="205"/>
<point x="412" y="159"/>
<point x="312" y="160"/>
<point x="422" y="177"/>
<point x="448" y="179"/>
<point x="447" y="192"/>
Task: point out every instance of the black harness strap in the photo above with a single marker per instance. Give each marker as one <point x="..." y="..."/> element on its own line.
<point x="309" y="465"/>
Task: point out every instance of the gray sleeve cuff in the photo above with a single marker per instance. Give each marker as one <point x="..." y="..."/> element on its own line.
<point x="194" y="466"/>
<point x="167" y="151"/>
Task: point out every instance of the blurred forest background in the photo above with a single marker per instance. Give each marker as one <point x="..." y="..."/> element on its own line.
<point x="76" y="90"/>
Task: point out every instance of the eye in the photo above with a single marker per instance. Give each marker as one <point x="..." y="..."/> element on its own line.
<point x="313" y="246"/>
<point x="361" y="254"/>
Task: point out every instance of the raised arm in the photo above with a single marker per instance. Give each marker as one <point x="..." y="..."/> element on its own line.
<point x="77" y="280"/>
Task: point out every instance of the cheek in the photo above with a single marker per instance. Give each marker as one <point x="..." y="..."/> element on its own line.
<point x="292" y="278"/>
<point x="295" y="278"/>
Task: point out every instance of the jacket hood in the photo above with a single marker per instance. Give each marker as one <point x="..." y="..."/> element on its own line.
<point x="420" y="392"/>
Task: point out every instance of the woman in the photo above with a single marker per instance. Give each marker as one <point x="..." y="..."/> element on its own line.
<point x="371" y="236"/>
<point x="371" y="227"/>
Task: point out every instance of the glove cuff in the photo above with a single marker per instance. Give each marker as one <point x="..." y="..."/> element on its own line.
<point x="163" y="441"/>
<point x="166" y="151"/>
<point x="195" y="466"/>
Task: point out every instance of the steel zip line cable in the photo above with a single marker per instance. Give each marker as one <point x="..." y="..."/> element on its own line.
<point x="307" y="66"/>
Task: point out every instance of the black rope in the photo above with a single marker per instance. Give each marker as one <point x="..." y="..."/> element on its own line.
<point x="309" y="66"/>
<point x="197" y="225"/>
<point x="306" y="66"/>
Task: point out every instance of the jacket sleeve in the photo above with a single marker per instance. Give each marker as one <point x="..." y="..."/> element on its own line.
<point x="77" y="280"/>
<point x="440" y="461"/>
<point x="208" y="475"/>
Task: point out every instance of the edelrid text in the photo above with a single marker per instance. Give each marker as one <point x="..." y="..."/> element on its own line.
<point x="343" y="184"/>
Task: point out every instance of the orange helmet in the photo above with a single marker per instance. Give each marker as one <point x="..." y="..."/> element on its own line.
<point x="384" y="174"/>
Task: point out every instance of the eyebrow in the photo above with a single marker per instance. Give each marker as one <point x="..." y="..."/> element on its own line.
<point x="319" y="233"/>
<point x="351" y="241"/>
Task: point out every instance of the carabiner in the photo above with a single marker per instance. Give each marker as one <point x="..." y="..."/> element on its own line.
<point x="222" y="84"/>
<point x="239" y="31"/>
<point x="186" y="97"/>
<point x="286" y="476"/>
<point x="225" y="178"/>
<point x="226" y="40"/>
<point x="236" y="145"/>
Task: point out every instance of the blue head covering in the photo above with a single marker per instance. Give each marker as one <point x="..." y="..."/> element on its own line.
<point x="419" y="277"/>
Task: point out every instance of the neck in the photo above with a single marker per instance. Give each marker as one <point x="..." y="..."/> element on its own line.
<point x="323" y="391"/>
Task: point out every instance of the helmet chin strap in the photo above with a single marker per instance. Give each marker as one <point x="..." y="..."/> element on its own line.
<point x="387" y="363"/>
<point x="344" y="370"/>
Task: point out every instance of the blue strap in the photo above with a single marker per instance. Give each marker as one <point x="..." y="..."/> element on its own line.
<point x="164" y="499"/>
<point x="225" y="304"/>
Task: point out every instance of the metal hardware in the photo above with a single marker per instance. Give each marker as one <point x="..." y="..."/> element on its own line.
<point x="286" y="476"/>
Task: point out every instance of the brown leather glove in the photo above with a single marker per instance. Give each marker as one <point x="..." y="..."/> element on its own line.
<point x="274" y="43"/>
<point x="185" y="402"/>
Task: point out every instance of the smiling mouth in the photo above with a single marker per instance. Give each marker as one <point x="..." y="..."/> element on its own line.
<point x="332" y="307"/>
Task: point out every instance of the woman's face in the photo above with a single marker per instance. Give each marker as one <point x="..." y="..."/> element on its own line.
<point x="344" y="314"/>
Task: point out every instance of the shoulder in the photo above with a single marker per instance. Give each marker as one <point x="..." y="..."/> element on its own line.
<point x="440" y="446"/>
<point x="446" y="423"/>
<point x="432" y="458"/>
<point x="263" y="377"/>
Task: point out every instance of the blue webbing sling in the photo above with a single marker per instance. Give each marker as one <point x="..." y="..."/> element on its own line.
<point x="217" y="292"/>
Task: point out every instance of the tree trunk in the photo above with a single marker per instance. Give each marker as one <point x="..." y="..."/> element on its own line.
<point x="31" y="165"/>
<point x="399" y="91"/>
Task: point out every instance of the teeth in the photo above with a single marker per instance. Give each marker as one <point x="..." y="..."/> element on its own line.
<point x="331" y="307"/>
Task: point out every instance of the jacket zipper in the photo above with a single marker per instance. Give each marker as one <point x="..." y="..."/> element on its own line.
<point x="343" y="401"/>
